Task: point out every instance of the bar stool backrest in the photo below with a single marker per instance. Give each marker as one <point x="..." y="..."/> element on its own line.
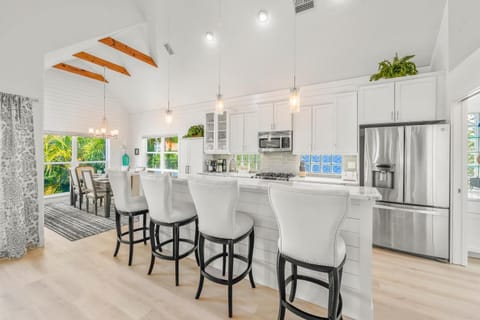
<point x="158" y="192"/>
<point x="309" y="221"/>
<point x="120" y="184"/>
<point x="74" y="177"/>
<point x="216" y="201"/>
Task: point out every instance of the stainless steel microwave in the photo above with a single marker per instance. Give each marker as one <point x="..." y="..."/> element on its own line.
<point x="275" y="141"/>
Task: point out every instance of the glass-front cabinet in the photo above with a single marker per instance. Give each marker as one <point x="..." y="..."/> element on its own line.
<point x="216" y="133"/>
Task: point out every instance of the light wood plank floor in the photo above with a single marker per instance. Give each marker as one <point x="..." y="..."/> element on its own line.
<point x="81" y="280"/>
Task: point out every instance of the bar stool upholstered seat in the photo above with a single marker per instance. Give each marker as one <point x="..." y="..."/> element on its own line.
<point x="163" y="212"/>
<point x="309" y="222"/>
<point x="219" y="222"/>
<point x="129" y="206"/>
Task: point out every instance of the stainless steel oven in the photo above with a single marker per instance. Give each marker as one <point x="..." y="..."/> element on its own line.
<point x="275" y="141"/>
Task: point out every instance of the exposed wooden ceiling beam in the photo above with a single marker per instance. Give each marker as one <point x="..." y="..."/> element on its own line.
<point x="81" y="72"/>
<point x="109" y="41"/>
<point x="101" y="62"/>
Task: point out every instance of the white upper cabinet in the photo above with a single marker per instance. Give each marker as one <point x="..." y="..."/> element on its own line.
<point x="376" y="103"/>
<point x="415" y="100"/>
<point x="216" y="133"/>
<point x="398" y="101"/>
<point x="346" y="123"/>
<point x="236" y="133"/>
<point x="265" y="115"/>
<point x="243" y="133"/>
<point x="274" y="117"/>
<point x="251" y="133"/>
<point x="282" y="117"/>
<point x="327" y="128"/>
<point x="302" y="131"/>
<point x="323" y="129"/>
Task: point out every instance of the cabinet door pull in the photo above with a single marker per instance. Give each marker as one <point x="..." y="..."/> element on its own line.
<point x="392" y="117"/>
<point x="398" y="116"/>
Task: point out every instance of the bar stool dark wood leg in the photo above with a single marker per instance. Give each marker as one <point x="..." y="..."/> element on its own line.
<point x="196" y="242"/>
<point x="293" y="288"/>
<point x="224" y="259"/>
<point x="176" y="244"/>
<point x="230" y="276"/>
<point x="201" y="255"/>
<point x="119" y="231"/>
<point x="281" y="286"/>
<point x="153" y="237"/>
<point x="130" y="238"/>
<point x="145" y="229"/>
<point x="251" y="244"/>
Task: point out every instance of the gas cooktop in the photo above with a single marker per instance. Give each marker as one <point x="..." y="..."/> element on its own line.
<point x="281" y="176"/>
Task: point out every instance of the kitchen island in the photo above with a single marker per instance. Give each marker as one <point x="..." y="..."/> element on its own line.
<point x="356" y="230"/>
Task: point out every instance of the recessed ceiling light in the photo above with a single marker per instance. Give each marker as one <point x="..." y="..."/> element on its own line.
<point x="262" y="16"/>
<point x="209" y="37"/>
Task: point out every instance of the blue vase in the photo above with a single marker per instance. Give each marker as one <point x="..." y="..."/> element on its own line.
<point x="125" y="160"/>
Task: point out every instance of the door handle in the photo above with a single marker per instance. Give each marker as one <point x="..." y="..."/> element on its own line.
<point x="392" y="117"/>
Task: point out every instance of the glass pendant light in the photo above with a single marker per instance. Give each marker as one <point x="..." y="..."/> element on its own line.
<point x="102" y="132"/>
<point x="219" y="105"/>
<point x="294" y="99"/>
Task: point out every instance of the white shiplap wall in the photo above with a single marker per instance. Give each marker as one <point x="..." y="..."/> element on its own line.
<point x="72" y="104"/>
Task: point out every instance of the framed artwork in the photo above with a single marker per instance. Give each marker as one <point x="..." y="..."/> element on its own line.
<point x="137" y="151"/>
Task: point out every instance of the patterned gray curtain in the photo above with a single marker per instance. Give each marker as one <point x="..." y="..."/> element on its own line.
<point x="19" y="212"/>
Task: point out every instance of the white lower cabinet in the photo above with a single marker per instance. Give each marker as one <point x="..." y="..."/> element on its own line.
<point x="327" y="128"/>
<point x="191" y="156"/>
<point x="243" y="133"/>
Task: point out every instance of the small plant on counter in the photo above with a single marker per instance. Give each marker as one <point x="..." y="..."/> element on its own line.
<point x="195" y="131"/>
<point x="399" y="67"/>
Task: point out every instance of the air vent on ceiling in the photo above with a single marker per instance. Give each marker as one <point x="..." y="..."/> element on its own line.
<point x="303" y="5"/>
<point x="169" y="49"/>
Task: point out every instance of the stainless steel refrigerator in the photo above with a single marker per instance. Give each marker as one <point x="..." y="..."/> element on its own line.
<point x="410" y="167"/>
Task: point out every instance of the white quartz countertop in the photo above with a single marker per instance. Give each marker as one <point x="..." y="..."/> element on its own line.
<point x="356" y="192"/>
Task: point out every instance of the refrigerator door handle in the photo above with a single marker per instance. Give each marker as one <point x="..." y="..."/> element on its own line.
<point x="437" y="212"/>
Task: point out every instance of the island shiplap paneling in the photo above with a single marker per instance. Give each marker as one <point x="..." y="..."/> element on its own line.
<point x="357" y="269"/>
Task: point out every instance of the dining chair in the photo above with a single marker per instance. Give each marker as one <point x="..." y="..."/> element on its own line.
<point x="77" y="191"/>
<point x="91" y="190"/>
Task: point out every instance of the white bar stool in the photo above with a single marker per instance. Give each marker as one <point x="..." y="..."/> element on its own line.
<point x="309" y="221"/>
<point x="158" y="191"/>
<point x="219" y="222"/>
<point x="130" y="206"/>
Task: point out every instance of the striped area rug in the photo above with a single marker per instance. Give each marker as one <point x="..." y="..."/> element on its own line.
<point x="75" y="224"/>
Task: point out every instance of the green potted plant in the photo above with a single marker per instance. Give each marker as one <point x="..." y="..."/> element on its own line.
<point x="195" y="131"/>
<point x="398" y="67"/>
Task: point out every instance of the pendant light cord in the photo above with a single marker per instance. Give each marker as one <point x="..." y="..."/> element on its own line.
<point x="219" y="45"/>
<point x="294" y="49"/>
<point x="168" y="61"/>
<point x="104" y="96"/>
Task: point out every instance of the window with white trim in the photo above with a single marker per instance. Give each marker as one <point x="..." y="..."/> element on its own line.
<point x="162" y="154"/>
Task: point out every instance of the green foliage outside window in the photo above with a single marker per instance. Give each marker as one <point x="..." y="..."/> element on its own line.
<point x="58" y="157"/>
<point x="162" y="153"/>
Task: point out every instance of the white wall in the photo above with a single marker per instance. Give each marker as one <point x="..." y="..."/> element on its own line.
<point x="73" y="104"/>
<point x="463" y="28"/>
<point x="30" y="28"/>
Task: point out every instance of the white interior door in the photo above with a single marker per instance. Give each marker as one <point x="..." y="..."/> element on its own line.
<point x="324" y="128"/>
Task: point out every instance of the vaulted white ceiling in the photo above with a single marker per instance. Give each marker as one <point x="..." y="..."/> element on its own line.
<point x="338" y="39"/>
